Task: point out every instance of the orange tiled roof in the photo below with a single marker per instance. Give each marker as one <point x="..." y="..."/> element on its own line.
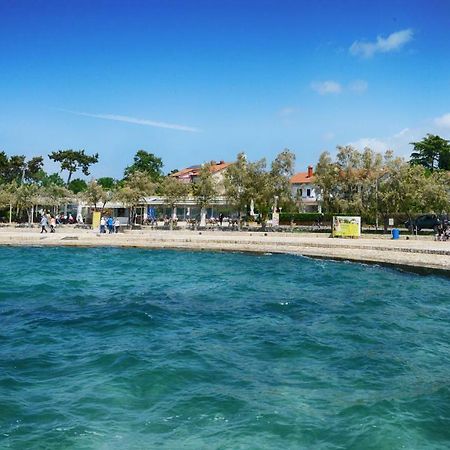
<point x="302" y="177"/>
<point x="193" y="171"/>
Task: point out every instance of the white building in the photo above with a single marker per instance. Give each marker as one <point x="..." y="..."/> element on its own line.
<point x="305" y="192"/>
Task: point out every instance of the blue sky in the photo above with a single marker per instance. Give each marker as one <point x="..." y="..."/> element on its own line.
<point x="202" y="80"/>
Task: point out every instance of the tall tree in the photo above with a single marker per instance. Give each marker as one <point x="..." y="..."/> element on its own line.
<point x="173" y="191"/>
<point x="236" y="184"/>
<point x="204" y="190"/>
<point x="17" y="168"/>
<point x="77" y="185"/>
<point x="131" y="193"/>
<point x="146" y="162"/>
<point x="54" y="195"/>
<point x="94" y="194"/>
<point x="73" y="160"/>
<point x="107" y="183"/>
<point x="26" y="196"/>
<point x="281" y="171"/>
<point x="432" y="152"/>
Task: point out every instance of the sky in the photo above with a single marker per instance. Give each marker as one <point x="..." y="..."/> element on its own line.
<point x="195" y="81"/>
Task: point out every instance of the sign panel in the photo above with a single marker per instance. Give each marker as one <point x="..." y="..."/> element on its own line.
<point x="96" y="220"/>
<point x="346" y="226"/>
<point x="391" y="222"/>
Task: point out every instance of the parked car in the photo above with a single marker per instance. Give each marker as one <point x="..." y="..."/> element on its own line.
<point x="426" y="221"/>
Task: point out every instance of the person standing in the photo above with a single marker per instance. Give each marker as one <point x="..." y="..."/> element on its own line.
<point x="110" y="225"/>
<point x="116" y="225"/>
<point x="102" y="225"/>
<point x="44" y="223"/>
<point x="52" y="224"/>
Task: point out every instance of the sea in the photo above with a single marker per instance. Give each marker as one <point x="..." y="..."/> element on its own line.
<point x="108" y="348"/>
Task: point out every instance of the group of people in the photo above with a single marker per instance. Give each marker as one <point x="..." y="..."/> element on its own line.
<point x="110" y="224"/>
<point x="443" y="230"/>
<point x="48" y="220"/>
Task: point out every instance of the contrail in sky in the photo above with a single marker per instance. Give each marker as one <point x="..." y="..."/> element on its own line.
<point x="149" y="123"/>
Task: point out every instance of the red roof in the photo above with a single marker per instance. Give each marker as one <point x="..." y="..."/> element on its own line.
<point x="195" y="170"/>
<point x="303" y="177"/>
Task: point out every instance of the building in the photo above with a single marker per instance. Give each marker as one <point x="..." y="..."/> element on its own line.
<point x="191" y="173"/>
<point x="305" y="192"/>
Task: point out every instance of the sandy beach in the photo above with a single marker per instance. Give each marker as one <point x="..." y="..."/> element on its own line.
<point x="422" y="254"/>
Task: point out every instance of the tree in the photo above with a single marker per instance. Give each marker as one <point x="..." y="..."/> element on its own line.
<point x="236" y="184"/>
<point x="260" y="189"/>
<point x="145" y="162"/>
<point x="94" y="194"/>
<point x="52" y="179"/>
<point x="137" y="186"/>
<point x="281" y="172"/>
<point x="16" y="168"/>
<point x="25" y="197"/>
<point x="432" y="152"/>
<point x="33" y="169"/>
<point x="73" y="160"/>
<point x="204" y="190"/>
<point x="77" y="185"/>
<point x="350" y="184"/>
<point x="173" y="191"/>
<point x="7" y="196"/>
<point x="54" y="195"/>
<point x="107" y="183"/>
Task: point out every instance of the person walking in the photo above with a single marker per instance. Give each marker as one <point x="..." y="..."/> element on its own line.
<point x="44" y="223"/>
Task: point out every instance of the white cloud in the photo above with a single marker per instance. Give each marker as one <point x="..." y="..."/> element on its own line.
<point x="287" y="111"/>
<point x="127" y="119"/>
<point x="401" y="134"/>
<point x="328" y="136"/>
<point x="443" y="121"/>
<point x="375" y="144"/>
<point x="394" y="41"/>
<point x="326" y="87"/>
<point x="358" y="86"/>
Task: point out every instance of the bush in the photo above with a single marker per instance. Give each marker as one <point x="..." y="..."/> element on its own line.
<point x="304" y="218"/>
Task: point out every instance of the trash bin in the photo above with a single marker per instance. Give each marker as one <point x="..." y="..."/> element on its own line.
<point x="395" y="233"/>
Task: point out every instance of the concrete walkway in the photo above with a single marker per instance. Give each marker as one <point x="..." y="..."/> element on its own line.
<point x="422" y="254"/>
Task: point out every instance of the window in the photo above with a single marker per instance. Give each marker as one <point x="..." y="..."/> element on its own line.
<point x="308" y="192"/>
<point x="299" y="192"/>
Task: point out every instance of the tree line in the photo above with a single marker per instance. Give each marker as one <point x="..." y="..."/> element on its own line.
<point x="362" y="183"/>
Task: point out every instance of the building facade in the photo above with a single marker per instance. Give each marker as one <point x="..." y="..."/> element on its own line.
<point x="305" y="192"/>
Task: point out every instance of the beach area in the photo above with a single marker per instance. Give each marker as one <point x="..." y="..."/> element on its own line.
<point x="421" y="254"/>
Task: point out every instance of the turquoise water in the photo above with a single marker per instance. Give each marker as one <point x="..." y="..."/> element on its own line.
<point x="132" y="349"/>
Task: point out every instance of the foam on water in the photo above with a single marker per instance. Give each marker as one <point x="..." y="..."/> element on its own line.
<point x="131" y="349"/>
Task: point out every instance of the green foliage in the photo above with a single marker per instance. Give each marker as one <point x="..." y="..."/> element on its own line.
<point x="246" y="181"/>
<point x="94" y="194"/>
<point x="54" y="195"/>
<point x="235" y="183"/>
<point x="134" y="188"/>
<point x="16" y="168"/>
<point x="304" y="218"/>
<point x="53" y="179"/>
<point x="350" y="184"/>
<point x="73" y="160"/>
<point x="204" y="188"/>
<point x="147" y="163"/>
<point x="77" y="185"/>
<point x="174" y="190"/>
<point x="432" y="152"/>
<point x="107" y="183"/>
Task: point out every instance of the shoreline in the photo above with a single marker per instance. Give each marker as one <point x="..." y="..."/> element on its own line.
<point x="423" y="255"/>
